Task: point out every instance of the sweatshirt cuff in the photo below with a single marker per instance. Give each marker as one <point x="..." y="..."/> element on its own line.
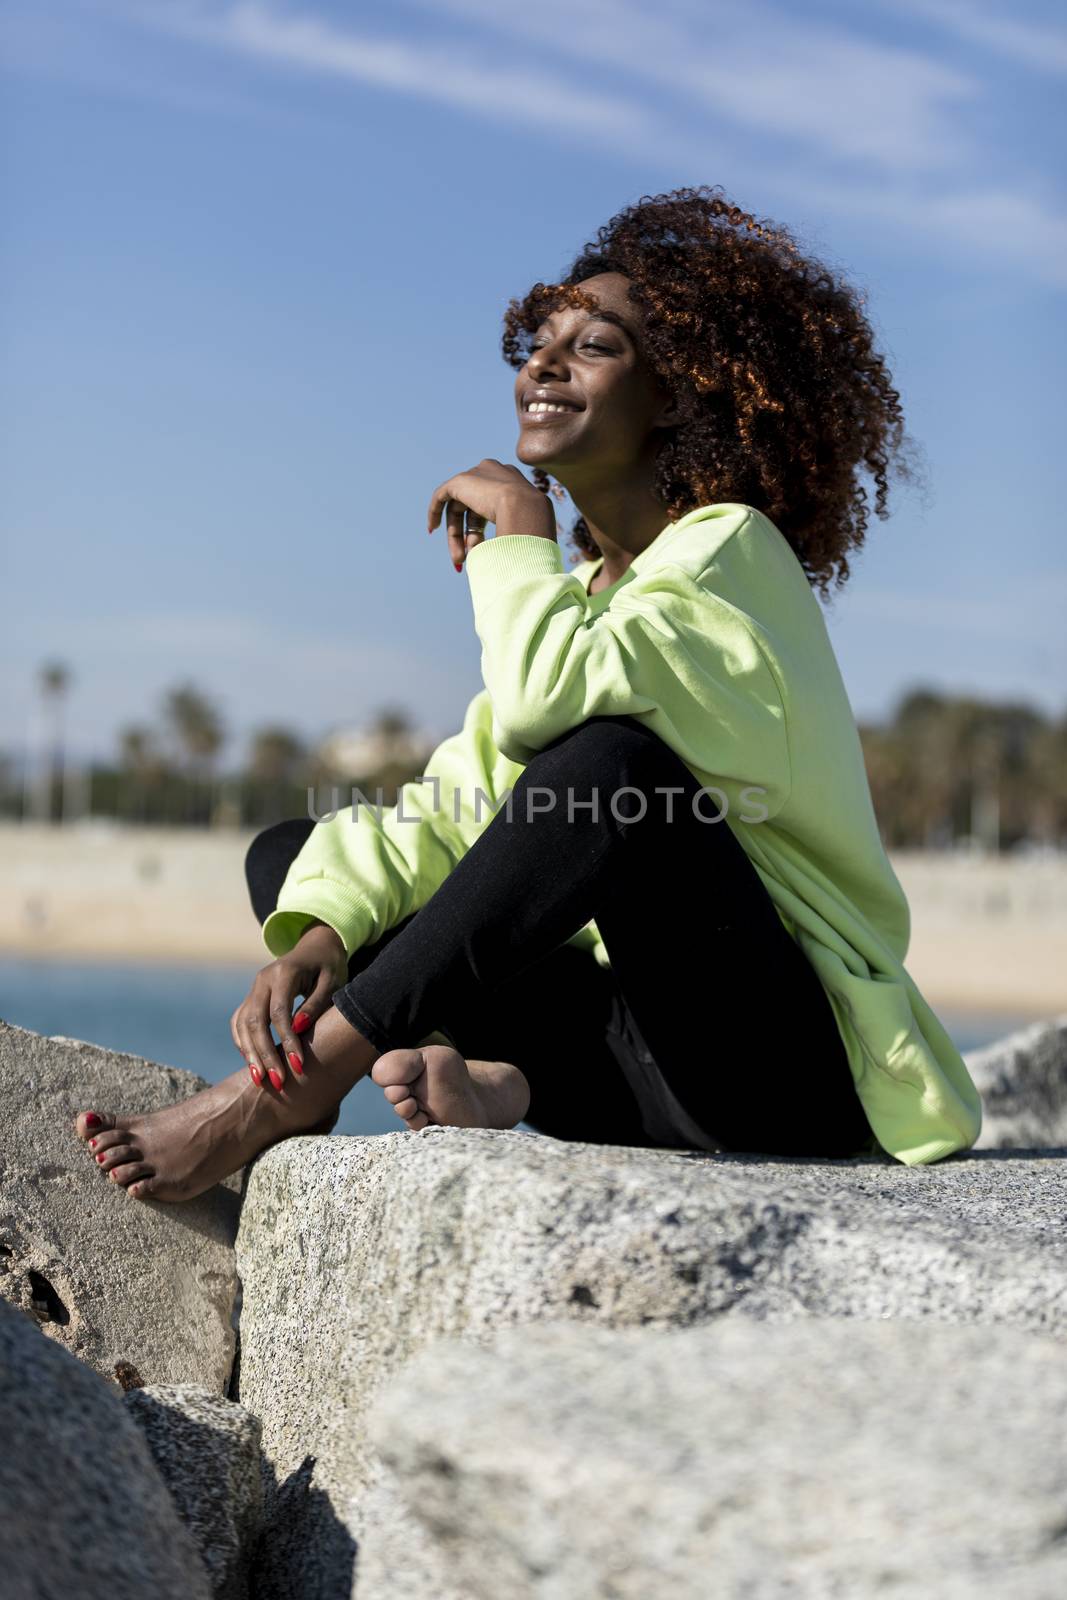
<point x="495" y="564"/>
<point x="348" y="914"/>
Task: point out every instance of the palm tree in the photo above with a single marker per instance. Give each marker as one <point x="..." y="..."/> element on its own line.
<point x="142" y="762"/>
<point x="54" y="680"/>
<point x="197" y="730"/>
<point x="274" y="760"/>
<point x="275" y="755"/>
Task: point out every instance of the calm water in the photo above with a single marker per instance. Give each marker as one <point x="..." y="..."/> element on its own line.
<point x="181" y="1016"/>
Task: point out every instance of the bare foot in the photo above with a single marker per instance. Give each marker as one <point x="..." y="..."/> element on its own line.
<point x="432" y="1083"/>
<point x="177" y="1153"/>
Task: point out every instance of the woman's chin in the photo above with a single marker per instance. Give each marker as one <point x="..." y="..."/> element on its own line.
<point x="533" y="452"/>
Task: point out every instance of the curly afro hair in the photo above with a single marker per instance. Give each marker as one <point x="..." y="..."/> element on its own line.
<point x="782" y="396"/>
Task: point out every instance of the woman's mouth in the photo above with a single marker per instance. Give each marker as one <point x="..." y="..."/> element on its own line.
<point x="546" y="413"/>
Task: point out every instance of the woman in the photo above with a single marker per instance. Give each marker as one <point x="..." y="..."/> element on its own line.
<point x="640" y="898"/>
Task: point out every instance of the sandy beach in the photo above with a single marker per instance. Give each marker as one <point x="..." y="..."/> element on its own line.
<point x="988" y="934"/>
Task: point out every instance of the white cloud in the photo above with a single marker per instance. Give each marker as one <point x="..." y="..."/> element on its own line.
<point x="306" y="43"/>
<point x="1025" y="227"/>
<point x="761" y="67"/>
<point x="1032" y="44"/>
<point x="748" y="66"/>
<point x="790" y="107"/>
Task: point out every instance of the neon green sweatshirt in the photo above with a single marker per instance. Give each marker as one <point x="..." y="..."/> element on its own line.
<point x="714" y="638"/>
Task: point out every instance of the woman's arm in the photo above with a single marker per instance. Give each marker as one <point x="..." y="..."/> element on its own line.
<point x="666" y="648"/>
<point x="367" y="868"/>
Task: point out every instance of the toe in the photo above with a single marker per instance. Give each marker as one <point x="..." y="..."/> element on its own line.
<point x="117" y="1155"/>
<point x="89" y="1124"/>
<point x="129" y="1172"/>
<point x="395" y="1092"/>
<point x="99" y="1143"/>
<point x="142" y="1188"/>
<point x="406" y="1108"/>
<point x="419" y="1120"/>
<point x="397" y="1067"/>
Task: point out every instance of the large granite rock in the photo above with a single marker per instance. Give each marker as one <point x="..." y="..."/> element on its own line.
<point x="112" y="1279"/>
<point x="206" y="1450"/>
<point x="826" y="1458"/>
<point x="357" y="1253"/>
<point x="1023" y="1084"/>
<point x="83" y="1510"/>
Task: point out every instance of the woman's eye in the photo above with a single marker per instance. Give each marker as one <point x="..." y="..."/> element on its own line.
<point x="589" y="344"/>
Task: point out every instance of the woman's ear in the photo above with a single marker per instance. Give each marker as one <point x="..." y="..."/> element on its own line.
<point x="669" y="414"/>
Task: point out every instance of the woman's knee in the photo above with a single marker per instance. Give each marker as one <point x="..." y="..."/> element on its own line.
<point x="616" y="749"/>
<point x="268" y="859"/>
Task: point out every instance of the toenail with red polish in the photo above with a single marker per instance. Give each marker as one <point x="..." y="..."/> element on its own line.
<point x="100" y="1157"/>
<point x="91" y="1119"/>
<point x="296" y="1063"/>
<point x="276" y="1078"/>
<point x="92" y="1144"/>
<point x="301" y="1021"/>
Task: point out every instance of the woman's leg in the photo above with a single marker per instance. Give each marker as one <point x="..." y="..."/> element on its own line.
<point x="267" y="862"/>
<point x="555" y="1021"/>
<point x="268" y="859"/>
<point x="715" y="989"/>
<point x="185" y="1148"/>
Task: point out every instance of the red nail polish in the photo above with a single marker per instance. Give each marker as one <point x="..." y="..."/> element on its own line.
<point x="256" y="1074"/>
<point x="92" y="1144"/>
<point x="276" y="1078"/>
<point x="91" y="1119"/>
<point x="301" y="1021"/>
<point x="458" y="566"/>
<point x="296" y="1063"/>
<point x="100" y="1157"/>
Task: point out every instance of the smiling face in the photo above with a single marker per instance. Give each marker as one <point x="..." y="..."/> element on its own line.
<point x="591" y="365"/>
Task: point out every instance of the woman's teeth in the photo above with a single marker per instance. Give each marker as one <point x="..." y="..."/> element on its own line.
<point x="541" y="408"/>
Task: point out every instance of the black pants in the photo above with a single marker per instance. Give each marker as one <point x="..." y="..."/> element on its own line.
<point x="707" y="991"/>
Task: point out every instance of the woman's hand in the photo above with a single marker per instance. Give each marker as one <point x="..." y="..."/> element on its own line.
<point x="314" y="967"/>
<point x="489" y="492"/>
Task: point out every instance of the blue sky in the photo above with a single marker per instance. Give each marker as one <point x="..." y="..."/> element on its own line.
<point x="253" y="263"/>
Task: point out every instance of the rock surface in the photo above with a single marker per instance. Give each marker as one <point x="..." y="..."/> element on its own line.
<point x="84" y="1509"/>
<point x="820" y="1459"/>
<point x="1023" y="1084"/>
<point x="357" y="1253"/>
<point x="206" y="1450"/>
<point x="112" y="1279"/>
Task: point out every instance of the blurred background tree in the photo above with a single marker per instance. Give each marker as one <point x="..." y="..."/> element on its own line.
<point x="950" y="770"/>
<point x="945" y="771"/>
<point x="53" y="679"/>
<point x="197" y="730"/>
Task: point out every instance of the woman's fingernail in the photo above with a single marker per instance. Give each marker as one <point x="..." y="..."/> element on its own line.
<point x="91" y="1119"/>
<point x="276" y="1078"/>
<point x="296" y="1063"/>
<point x="301" y="1021"/>
<point x="458" y="566"/>
<point x="257" y="1074"/>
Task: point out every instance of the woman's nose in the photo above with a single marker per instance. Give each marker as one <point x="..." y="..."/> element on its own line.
<point x="547" y="358"/>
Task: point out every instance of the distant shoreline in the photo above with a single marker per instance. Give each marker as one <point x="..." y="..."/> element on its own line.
<point x="989" y="934"/>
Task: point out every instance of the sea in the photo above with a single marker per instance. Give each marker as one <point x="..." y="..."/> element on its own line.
<point x="180" y="1016"/>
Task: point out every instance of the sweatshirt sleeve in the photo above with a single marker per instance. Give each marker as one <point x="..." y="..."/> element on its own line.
<point x="367" y="867"/>
<point x="666" y="648"/>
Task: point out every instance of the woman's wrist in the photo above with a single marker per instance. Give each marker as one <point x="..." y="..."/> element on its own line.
<point x="530" y="513"/>
<point x="318" y="933"/>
